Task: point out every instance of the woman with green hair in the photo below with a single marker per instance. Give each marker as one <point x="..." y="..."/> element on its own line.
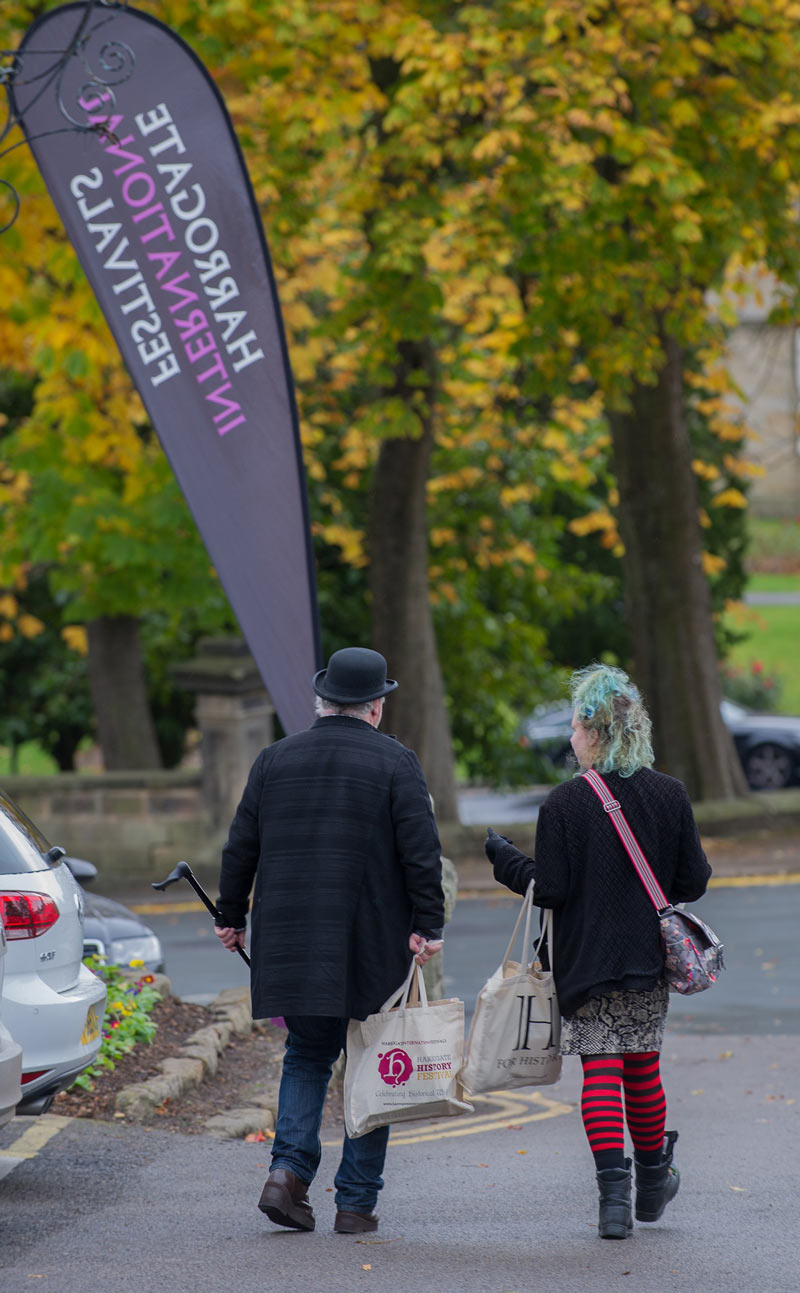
<point x="608" y="958"/>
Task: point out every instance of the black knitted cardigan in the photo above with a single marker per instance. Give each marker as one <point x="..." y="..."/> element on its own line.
<point x="606" y="931"/>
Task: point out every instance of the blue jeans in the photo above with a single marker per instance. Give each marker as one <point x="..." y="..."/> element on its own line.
<point x="312" y="1048"/>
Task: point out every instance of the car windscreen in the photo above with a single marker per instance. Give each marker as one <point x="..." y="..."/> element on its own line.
<point x="21" y="844"/>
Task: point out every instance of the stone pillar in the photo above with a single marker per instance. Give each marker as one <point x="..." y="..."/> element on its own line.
<point x="234" y="715"/>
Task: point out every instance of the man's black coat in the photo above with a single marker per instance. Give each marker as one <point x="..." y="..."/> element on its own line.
<point x="335" y="826"/>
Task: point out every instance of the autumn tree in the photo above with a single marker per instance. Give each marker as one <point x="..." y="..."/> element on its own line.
<point x="494" y="230"/>
<point x="643" y="154"/>
<point x="364" y="146"/>
<point x="530" y="204"/>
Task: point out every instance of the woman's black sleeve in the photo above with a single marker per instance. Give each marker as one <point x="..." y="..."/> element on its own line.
<point x="693" y="871"/>
<point x="511" y="867"/>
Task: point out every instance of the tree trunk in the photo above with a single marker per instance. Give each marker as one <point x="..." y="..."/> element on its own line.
<point x="125" y="726"/>
<point x="402" y="623"/>
<point x="667" y="598"/>
<point x="64" y="749"/>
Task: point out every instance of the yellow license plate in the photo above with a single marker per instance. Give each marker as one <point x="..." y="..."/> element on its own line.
<point x="91" y="1029"/>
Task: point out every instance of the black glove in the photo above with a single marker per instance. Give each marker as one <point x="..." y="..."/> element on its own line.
<point x="494" y="844"/>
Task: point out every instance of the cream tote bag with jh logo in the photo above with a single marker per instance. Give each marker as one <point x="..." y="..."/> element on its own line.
<point x="403" y="1061"/>
<point x="516" y="1028"/>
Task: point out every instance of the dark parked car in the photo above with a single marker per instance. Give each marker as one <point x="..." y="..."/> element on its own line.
<point x="767" y="744"/>
<point x="548" y="731"/>
<point x="111" y="930"/>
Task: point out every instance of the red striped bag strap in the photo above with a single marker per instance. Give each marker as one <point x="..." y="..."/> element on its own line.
<point x="629" y="840"/>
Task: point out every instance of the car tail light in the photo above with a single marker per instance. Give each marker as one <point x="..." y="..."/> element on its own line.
<point x="33" y="1075"/>
<point x="27" y="915"/>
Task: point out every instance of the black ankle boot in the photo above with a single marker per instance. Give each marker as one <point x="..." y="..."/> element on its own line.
<point x="656" y="1185"/>
<point x="615" y="1220"/>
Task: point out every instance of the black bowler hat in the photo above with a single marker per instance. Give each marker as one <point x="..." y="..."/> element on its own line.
<point x="354" y="675"/>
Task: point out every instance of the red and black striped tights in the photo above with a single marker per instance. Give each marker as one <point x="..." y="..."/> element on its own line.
<point x="604" y="1079"/>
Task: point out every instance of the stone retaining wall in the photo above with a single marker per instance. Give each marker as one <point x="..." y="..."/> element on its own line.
<point x="131" y="825"/>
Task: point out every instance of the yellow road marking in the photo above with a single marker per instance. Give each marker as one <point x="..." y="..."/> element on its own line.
<point x="167" y="908"/>
<point x="749" y="881"/>
<point x="505" y="1108"/>
<point x="36" y="1136"/>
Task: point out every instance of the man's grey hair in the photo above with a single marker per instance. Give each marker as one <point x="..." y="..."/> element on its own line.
<point x="325" y="707"/>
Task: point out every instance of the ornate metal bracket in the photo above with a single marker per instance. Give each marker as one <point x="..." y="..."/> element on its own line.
<point x="110" y="63"/>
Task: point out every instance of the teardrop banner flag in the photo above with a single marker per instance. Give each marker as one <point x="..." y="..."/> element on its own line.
<point x="159" y="207"/>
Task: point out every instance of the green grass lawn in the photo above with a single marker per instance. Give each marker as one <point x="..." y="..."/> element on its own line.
<point x="774" y="545"/>
<point x="773" y="632"/>
<point x="774" y="640"/>
<point x="31" y="761"/>
<point x="766" y="583"/>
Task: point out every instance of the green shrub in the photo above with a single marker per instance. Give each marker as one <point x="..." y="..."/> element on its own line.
<point x="752" y="685"/>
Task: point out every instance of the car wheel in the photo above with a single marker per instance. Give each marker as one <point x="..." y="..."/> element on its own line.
<point x="768" y="767"/>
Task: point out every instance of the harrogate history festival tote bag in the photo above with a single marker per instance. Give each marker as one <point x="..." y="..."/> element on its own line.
<point x="403" y="1061"/>
<point x="516" y="1028"/>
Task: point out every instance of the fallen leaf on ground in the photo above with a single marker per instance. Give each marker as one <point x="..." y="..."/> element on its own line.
<point x="255" y="1137"/>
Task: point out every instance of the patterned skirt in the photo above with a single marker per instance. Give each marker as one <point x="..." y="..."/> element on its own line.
<point x="618" y="1023"/>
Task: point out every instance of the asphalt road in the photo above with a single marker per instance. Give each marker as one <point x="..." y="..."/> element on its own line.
<point x="476" y="806"/>
<point x="502" y="1201"/>
<point x="759" y="992"/>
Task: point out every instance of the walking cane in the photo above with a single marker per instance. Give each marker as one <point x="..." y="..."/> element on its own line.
<point x="184" y="872"/>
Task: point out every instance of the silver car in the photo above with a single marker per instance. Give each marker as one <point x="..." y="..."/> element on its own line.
<point x="10" y="1055"/>
<point x="52" y="1005"/>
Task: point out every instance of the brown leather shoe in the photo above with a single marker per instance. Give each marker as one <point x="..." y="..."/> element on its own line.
<point x="285" y="1200"/>
<point x="355" y="1223"/>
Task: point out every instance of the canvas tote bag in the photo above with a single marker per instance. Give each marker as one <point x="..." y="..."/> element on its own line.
<point x="403" y="1061"/>
<point x="516" y="1028"/>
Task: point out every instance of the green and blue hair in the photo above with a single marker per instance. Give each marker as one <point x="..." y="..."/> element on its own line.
<point x="606" y="701"/>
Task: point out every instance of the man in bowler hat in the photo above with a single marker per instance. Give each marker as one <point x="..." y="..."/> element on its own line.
<point x="336" y="831"/>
